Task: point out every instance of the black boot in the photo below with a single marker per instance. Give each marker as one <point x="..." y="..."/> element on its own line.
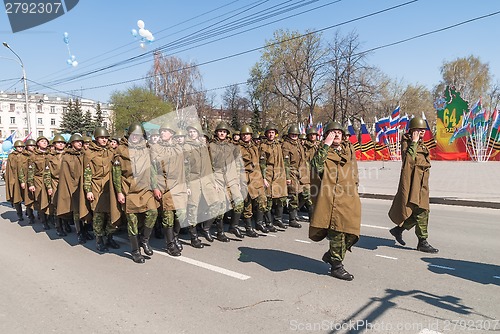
<point x="59" y="229"/>
<point x="100" y="246"/>
<point x="81" y="238"/>
<point x="145" y="241"/>
<point x="219" y="223"/>
<point x="45" y="223"/>
<point x="339" y="272"/>
<point x="397" y="233"/>
<point x="249" y="229"/>
<point x="278" y="217"/>
<point x="233" y="226"/>
<point x="19" y="212"/>
<point x="110" y="242"/>
<point x="31" y="216"/>
<point x="158" y="228"/>
<point x="292" y="218"/>
<point x="172" y="249"/>
<point x="177" y="229"/>
<point x="195" y="242"/>
<point x="425" y="247"/>
<point x="86" y="231"/>
<point x="136" y="252"/>
<point x="310" y="210"/>
<point x="66" y="226"/>
<point x="206" y="230"/>
<point x="259" y="222"/>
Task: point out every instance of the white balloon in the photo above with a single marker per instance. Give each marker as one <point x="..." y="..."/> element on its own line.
<point x="134" y="32"/>
<point x="143" y="32"/>
<point x="140" y="24"/>
<point x="142" y="45"/>
<point x="74" y="63"/>
<point x="149" y="35"/>
<point x="73" y="57"/>
<point x="150" y="38"/>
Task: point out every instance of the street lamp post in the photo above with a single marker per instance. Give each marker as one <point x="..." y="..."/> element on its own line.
<point x="28" y="115"/>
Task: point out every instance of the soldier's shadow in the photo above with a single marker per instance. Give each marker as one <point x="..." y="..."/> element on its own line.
<point x="472" y="271"/>
<point x="372" y="243"/>
<point x="277" y="260"/>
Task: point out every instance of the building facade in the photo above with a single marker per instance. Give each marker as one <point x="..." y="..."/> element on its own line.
<point x="46" y="114"/>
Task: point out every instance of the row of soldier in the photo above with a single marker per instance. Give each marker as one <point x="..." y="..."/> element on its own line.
<point x="171" y="180"/>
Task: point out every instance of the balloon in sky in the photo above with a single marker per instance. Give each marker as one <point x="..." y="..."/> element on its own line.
<point x="6" y="145"/>
<point x="72" y="59"/>
<point x="146" y="36"/>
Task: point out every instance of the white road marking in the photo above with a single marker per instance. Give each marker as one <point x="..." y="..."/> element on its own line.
<point x="428" y="331"/>
<point x="442" y="267"/>
<point x="375" y="226"/>
<point x="387" y="257"/>
<point x="271" y="235"/>
<point x="204" y="265"/>
<point x="303" y="241"/>
<point x="197" y="263"/>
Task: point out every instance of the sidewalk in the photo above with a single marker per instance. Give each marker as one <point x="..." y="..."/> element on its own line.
<point x="462" y="183"/>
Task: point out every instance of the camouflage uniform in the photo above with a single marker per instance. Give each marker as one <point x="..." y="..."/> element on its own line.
<point x="38" y="177"/>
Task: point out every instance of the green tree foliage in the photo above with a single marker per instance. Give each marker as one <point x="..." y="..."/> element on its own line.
<point x="72" y="120"/>
<point x="136" y="104"/>
<point x="98" y="116"/>
<point x="88" y="123"/>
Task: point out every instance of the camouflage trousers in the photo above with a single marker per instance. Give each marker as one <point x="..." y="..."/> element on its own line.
<point x="102" y="224"/>
<point x="340" y="242"/>
<point x="236" y="206"/>
<point x="274" y="202"/>
<point x="296" y="201"/>
<point x="420" y="219"/>
<point x="194" y="216"/>
<point x="168" y="217"/>
<point x="258" y="203"/>
<point x="137" y="220"/>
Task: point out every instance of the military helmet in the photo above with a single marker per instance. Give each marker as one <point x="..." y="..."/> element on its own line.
<point x="417" y="123"/>
<point x="180" y="133"/>
<point x="294" y="130"/>
<point x="58" y="138"/>
<point x="255" y="135"/>
<point x="223" y="126"/>
<point x="194" y="126"/>
<point x="167" y="126"/>
<point x="311" y="131"/>
<point x="18" y="143"/>
<point x="302" y="136"/>
<point x="75" y="137"/>
<point x="30" y="142"/>
<point x="136" y="128"/>
<point x="334" y="125"/>
<point x="236" y="132"/>
<point x="87" y="139"/>
<point x="40" y="138"/>
<point x="154" y="132"/>
<point x="101" y="131"/>
<point x="271" y="126"/>
<point x="245" y="128"/>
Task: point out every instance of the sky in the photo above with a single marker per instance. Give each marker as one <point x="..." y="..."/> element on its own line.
<point x="99" y="34"/>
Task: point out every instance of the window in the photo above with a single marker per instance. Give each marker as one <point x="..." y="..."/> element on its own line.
<point x="52" y="121"/>
<point x="105" y="124"/>
<point x="39" y="107"/>
<point x="40" y="121"/>
<point x="40" y="133"/>
<point x="12" y="107"/>
<point x="52" y="133"/>
<point x="65" y="109"/>
<point x="12" y="120"/>
<point x="52" y="109"/>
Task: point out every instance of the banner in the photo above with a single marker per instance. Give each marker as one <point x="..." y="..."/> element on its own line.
<point x="449" y="117"/>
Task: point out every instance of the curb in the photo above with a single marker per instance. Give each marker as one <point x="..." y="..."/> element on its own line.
<point x="441" y="200"/>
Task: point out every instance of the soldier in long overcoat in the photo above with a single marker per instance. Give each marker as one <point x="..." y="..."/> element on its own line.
<point x="37" y="177"/>
<point x="410" y="207"/>
<point x="13" y="190"/>
<point x="334" y="188"/>
<point x="272" y="166"/>
<point x="28" y="196"/>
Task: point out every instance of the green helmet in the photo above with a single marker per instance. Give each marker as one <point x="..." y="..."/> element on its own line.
<point x="311" y="131"/>
<point x="136" y="128"/>
<point x="255" y="135"/>
<point x="58" y="138"/>
<point x="194" y="126"/>
<point x="154" y="132"/>
<point x="334" y="125"/>
<point x="101" y="132"/>
<point x="167" y="126"/>
<point x="87" y="139"/>
<point x="245" y="128"/>
<point x="417" y="123"/>
<point x="294" y="130"/>
<point x="19" y="143"/>
<point x="30" y="142"/>
<point x="180" y="133"/>
<point x="271" y="126"/>
<point x="302" y="136"/>
<point x="223" y="126"/>
<point x="75" y="137"/>
<point x="40" y="138"/>
<point x="236" y="132"/>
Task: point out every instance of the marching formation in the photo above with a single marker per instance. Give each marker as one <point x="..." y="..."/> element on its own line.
<point x="183" y="178"/>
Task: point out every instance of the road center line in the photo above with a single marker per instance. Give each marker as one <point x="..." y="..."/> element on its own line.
<point x="386" y="257"/>
<point x="374" y="226"/>
<point x="303" y="241"/>
<point x="442" y="267"/>
<point x="428" y="331"/>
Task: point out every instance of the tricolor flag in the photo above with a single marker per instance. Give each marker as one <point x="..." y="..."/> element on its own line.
<point x="310" y="120"/>
<point x="403" y="123"/>
<point x="395" y="113"/>
<point x="384" y="123"/>
<point x="11" y="137"/>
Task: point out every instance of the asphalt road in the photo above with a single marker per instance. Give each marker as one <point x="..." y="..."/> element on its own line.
<point x="272" y="284"/>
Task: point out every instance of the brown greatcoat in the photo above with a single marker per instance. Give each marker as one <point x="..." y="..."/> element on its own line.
<point x="13" y="190"/>
<point x="298" y="171"/>
<point x="28" y="196"/>
<point x="228" y="168"/>
<point x="99" y="160"/>
<point x="135" y="179"/>
<point x="335" y="192"/>
<point x="413" y="189"/>
<point x="310" y="149"/>
<point x="254" y="179"/>
<point x="37" y="166"/>
<point x="170" y="175"/>
<point x="273" y="167"/>
<point x="70" y="189"/>
<point x="54" y="160"/>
